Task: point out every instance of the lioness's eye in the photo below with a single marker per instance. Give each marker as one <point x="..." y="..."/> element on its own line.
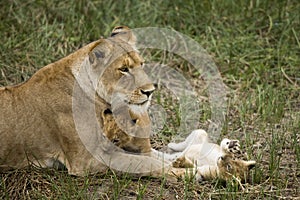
<point x="124" y="69"/>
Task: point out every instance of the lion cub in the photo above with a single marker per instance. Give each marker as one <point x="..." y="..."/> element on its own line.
<point x="224" y="161"/>
<point x="119" y="137"/>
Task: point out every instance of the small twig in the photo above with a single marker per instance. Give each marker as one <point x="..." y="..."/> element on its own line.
<point x="249" y="192"/>
<point x="288" y="78"/>
<point x="4" y="76"/>
<point x="279" y="197"/>
<point x="239" y="182"/>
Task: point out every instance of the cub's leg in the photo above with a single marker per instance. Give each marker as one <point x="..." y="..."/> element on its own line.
<point x="198" y="136"/>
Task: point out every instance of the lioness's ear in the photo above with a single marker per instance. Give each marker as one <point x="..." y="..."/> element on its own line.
<point x="124" y="33"/>
<point x="100" y="53"/>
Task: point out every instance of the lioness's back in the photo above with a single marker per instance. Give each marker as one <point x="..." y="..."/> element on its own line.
<point x="29" y="112"/>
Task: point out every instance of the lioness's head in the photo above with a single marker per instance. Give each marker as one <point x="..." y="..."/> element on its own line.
<point x="115" y="70"/>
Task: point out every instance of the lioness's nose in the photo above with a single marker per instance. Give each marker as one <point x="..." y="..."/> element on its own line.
<point x="147" y="92"/>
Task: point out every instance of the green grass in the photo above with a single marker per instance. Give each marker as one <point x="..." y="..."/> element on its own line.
<point x="256" y="45"/>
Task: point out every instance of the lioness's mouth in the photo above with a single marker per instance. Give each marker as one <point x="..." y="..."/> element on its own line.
<point x="142" y="103"/>
<point x="139" y="104"/>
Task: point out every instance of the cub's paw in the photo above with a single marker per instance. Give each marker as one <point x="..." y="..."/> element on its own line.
<point x="230" y="146"/>
<point x="183" y="162"/>
<point x="233" y="147"/>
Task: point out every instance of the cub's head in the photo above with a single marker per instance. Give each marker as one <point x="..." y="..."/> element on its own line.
<point x="230" y="166"/>
<point x="115" y="70"/>
<point x="120" y="137"/>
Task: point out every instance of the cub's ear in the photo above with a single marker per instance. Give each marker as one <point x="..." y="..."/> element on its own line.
<point x="124" y="33"/>
<point x="250" y="164"/>
<point x="107" y="116"/>
<point x="107" y="111"/>
<point x="100" y="53"/>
